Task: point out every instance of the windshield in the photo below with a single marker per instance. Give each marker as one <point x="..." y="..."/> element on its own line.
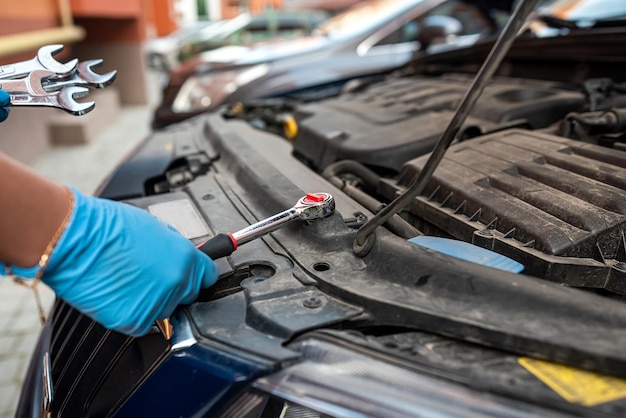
<point x="363" y="16"/>
<point x="193" y="28"/>
<point x="585" y="10"/>
<point x="225" y="28"/>
<point x="233" y="25"/>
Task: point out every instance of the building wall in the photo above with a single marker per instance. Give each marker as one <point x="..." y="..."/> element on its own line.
<point x="14" y="17"/>
<point x="232" y="8"/>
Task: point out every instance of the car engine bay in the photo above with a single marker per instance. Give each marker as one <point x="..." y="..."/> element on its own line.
<point x="527" y="177"/>
<point x="536" y="175"/>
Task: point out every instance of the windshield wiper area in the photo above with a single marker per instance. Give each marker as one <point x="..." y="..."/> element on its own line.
<point x="557" y="23"/>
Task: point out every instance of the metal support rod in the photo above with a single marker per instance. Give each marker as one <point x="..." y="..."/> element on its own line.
<point x="365" y="235"/>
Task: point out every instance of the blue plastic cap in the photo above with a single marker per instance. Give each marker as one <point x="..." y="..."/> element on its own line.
<point x="469" y="252"/>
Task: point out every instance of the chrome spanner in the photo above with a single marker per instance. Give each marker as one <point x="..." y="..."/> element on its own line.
<point x="83" y="76"/>
<point x="63" y="99"/>
<point x="31" y="84"/>
<point x="29" y="91"/>
<point x="310" y="207"/>
<point x="43" y="61"/>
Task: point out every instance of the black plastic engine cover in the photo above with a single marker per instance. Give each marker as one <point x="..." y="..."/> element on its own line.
<point x="393" y="122"/>
<point x="553" y="204"/>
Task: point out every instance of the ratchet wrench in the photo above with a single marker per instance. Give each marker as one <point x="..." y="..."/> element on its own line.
<point x="310" y="207"/>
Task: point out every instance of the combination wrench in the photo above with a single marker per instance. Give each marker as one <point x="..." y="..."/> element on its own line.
<point x="82" y="76"/>
<point x="44" y="81"/>
<point x="31" y="84"/>
<point x="310" y="207"/>
<point x="29" y="91"/>
<point x="43" y="61"/>
<point x="64" y="99"/>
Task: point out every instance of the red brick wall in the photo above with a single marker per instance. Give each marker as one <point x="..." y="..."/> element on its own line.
<point x="15" y="18"/>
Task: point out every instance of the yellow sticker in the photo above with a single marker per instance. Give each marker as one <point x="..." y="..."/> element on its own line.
<point x="575" y="385"/>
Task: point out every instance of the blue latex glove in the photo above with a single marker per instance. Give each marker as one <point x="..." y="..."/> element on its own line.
<point x="4" y="101"/>
<point x="123" y="267"/>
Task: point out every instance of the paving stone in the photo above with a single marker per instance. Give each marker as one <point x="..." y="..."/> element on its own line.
<point x="24" y="323"/>
<point x="8" y="344"/>
<point x="25" y="344"/>
<point x="9" y="395"/>
<point x="11" y="295"/>
<point x="10" y="370"/>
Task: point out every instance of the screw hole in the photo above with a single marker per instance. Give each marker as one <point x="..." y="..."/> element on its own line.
<point x="422" y="280"/>
<point x="321" y="266"/>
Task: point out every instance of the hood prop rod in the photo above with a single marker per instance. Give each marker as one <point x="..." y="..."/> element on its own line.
<point x="365" y="236"/>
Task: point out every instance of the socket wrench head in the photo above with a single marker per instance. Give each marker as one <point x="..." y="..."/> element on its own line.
<point x="315" y="206"/>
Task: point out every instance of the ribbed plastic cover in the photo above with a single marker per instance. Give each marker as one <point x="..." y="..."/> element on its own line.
<point x="555" y="205"/>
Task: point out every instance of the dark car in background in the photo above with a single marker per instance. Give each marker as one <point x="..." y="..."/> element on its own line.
<point x="369" y="40"/>
<point x="498" y="290"/>
<point x="248" y="29"/>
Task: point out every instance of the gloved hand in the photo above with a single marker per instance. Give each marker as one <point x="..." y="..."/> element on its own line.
<point x="123" y="267"/>
<point x="4" y="101"/>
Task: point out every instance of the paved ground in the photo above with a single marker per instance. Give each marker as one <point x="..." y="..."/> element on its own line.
<point x="84" y="167"/>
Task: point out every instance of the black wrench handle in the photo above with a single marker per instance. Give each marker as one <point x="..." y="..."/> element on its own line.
<point x="221" y="245"/>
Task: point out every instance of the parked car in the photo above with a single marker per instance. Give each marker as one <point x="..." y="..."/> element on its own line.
<point x="367" y="41"/>
<point x="162" y="52"/>
<point x="247" y="29"/>
<point x="432" y="317"/>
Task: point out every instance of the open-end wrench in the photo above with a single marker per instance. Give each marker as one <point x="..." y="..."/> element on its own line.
<point x="63" y="99"/>
<point x="83" y="76"/>
<point x="43" y="61"/>
<point x="310" y="207"/>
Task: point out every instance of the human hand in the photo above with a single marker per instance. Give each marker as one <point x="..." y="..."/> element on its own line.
<point x="5" y="100"/>
<point x="123" y="267"/>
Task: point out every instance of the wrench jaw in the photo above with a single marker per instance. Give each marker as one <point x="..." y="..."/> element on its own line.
<point x="36" y="80"/>
<point x="67" y="102"/>
<point x="45" y="56"/>
<point x="94" y="79"/>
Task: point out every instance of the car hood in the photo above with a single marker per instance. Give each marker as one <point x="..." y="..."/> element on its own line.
<point x="264" y="52"/>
